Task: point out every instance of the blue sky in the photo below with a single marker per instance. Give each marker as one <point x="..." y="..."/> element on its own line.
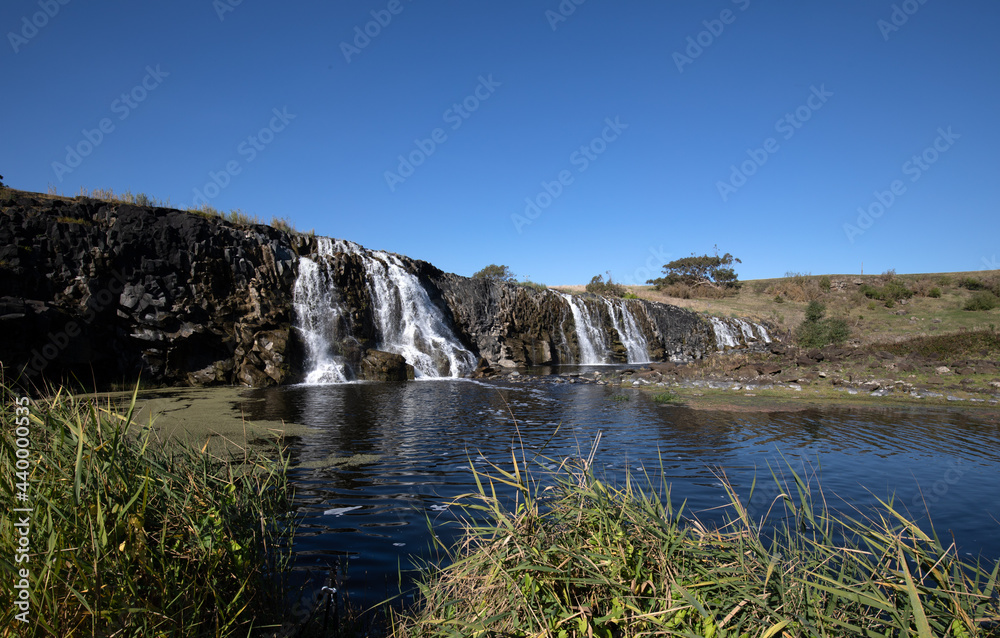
<point x="642" y="131"/>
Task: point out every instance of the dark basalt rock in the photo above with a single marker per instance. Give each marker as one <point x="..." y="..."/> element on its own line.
<point x="385" y="366"/>
<point x="102" y="292"/>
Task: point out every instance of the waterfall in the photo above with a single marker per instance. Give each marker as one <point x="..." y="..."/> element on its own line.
<point x="636" y="347"/>
<point x="734" y="333"/>
<point x="409" y="324"/>
<point x="593" y="347"/>
<point x="320" y="318"/>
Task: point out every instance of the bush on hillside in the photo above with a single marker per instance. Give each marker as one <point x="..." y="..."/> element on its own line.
<point x="982" y="300"/>
<point x="816" y="332"/>
<point x="890" y="292"/>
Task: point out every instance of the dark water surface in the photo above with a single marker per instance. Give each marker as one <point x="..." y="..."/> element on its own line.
<point x="425" y="435"/>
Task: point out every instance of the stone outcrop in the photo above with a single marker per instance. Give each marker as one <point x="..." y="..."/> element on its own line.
<point x="385" y="366"/>
<point x="109" y="292"/>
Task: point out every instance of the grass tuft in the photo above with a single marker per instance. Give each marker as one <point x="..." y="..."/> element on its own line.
<point x="130" y="537"/>
<point x="583" y="557"/>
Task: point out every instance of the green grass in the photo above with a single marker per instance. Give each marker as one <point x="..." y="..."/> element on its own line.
<point x="588" y="558"/>
<point x="130" y="537"/>
<point x="667" y="398"/>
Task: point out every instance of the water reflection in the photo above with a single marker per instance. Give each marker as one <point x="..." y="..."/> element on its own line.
<point x="417" y="441"/>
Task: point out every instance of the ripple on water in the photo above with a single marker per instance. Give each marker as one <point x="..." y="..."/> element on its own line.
<point x="420" y="441"/>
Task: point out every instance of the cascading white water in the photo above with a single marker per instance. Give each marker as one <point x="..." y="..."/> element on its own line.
<point x="728" y="332"/>
<point x="724" y="336"/>
<point x="593" y="347"/>
<point x="636" y="347"/>
<point x="409" y="324"/>
<point x="319" y="315"/>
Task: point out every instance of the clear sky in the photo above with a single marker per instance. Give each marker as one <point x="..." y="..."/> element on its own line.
<point x="642" y="131"/>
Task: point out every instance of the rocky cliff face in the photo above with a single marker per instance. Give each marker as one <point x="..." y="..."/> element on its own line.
<point x="513" y="326"/>
<point x="109" y="292"/>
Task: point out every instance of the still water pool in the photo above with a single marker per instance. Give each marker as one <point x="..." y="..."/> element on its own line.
<point x="413" y="444"/>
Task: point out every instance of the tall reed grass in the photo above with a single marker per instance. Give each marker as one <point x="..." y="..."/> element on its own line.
<point x="585" y="558"/>
<point x="131" y="537"/>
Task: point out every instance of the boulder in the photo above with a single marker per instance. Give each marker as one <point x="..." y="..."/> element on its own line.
<point x="385" y="366"/>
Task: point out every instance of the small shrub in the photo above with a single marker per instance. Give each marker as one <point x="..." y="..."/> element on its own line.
<point x="630" y="295"/>
<point x="678" y="291"/>
<point x="890" y="292"/>
<point x="760" y="287"/>
<point x="971" y="283"/>
<point x="982" y="300"/>
<point x="944" y="280"/>
<point x="607" y="288"/>
<point x="816" y="332"/>
<point x="825" y="283"/>
<point x="779" y="299"/>
<point x="837" y="331"/>
<point x="934" y="293"/>
<point x="888" y="275"/>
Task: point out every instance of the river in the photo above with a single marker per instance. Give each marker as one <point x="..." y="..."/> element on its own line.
<point x="413" y="444"/>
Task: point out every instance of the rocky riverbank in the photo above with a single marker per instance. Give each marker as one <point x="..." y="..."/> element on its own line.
<point x="785" y="377"/>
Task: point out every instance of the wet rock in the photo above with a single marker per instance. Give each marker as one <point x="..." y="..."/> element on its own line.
<point x="385" y="366"/>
